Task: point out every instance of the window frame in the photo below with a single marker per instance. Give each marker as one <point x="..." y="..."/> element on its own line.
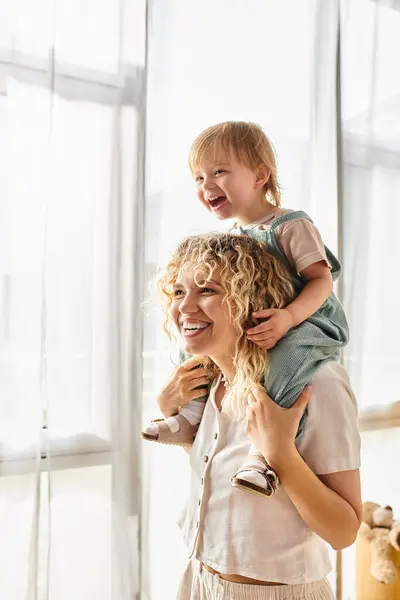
<point x="74" y="83"/>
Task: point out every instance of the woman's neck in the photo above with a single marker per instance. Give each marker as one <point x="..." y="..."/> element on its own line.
<point x="225" y="365"/>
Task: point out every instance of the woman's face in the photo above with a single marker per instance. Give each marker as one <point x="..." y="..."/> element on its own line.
<point x="201" y="314"/>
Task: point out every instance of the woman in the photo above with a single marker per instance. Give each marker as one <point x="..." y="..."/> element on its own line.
<point x="241" y="546"/>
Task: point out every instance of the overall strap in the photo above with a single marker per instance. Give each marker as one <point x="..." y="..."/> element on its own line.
<point x="267" y="236"/>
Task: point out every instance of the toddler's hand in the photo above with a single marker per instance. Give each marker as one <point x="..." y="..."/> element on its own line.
<point x="267" y="334"/>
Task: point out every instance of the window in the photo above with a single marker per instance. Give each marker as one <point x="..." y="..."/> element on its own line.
<point x="370" y="90"/>
<point x="71" y="82"/>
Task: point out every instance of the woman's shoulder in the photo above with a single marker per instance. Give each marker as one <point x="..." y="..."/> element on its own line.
<point x="331" y="371"/>
<point x="331" y="439"/>
<point x="332" y="389"/>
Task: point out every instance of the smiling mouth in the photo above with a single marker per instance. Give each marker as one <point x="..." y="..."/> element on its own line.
<point x="217" y="203"/>
<point x="193" y="330"/>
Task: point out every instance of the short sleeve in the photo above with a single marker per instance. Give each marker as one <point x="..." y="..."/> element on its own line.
<point x="331" y="441"/>
<point x="301" y="243"/>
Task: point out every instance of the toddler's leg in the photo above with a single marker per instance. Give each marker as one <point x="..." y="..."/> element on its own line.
<point x="179" y="430"/>
<point x="256" y="476"/>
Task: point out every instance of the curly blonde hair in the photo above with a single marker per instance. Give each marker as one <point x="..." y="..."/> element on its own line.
<point x="252" y="279"/>
<point x="247" y="142"/>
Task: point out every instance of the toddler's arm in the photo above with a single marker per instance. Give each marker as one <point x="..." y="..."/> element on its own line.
<point x="302" y="245"/>
<point x="317" y="289"/>
<point x="319" y="286"/>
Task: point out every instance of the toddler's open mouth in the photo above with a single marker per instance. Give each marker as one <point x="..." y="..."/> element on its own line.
<point x="217" y="203"/>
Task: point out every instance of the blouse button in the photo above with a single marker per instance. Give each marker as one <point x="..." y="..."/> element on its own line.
<point x="197" y="524"/>
<point x="202" y="481"/>
<point x="215" y="436"/>
<point x="199" y="502"/>
<point x="206" y="459"/>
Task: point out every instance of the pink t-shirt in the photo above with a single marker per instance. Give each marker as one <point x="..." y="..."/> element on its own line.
<point x="299" y="239"/>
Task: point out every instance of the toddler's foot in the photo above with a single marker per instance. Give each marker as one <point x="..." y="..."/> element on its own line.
<point x="173" y="430"/>
<point x="257" y="477"/>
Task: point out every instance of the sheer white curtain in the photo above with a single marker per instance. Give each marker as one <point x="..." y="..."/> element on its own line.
<point x="371" y="216"/>
<point x="371" y="136"/>
<point x="264" y="61"/>
<point x="71" y="132"/>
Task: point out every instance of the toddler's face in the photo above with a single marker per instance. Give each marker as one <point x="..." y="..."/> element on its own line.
<point x="226" y="187"/>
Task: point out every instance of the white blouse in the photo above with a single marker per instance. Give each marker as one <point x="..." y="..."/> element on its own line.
<point x="234" y="531"/>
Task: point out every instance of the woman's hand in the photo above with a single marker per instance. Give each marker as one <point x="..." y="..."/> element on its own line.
<point x="273" y="429"/>
<point x="187" y="382"/>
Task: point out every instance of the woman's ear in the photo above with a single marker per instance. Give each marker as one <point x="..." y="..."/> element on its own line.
<point x="262" y="176"/>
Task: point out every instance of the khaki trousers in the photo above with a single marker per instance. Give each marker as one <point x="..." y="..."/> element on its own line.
<point x="199" y="584"/>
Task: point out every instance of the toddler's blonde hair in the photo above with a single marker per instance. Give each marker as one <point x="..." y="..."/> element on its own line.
<point x="247" y="142"/>
<point x="252" y="279"/>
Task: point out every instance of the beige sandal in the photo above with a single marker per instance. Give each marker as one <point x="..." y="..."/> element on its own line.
<point x="159" y="431"/>
<point x="270" y="476"/>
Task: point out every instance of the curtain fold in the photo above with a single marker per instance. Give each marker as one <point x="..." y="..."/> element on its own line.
<point x="370" y="92"/>
<point x="371" y="175"/>
<point x="72" y="83"/>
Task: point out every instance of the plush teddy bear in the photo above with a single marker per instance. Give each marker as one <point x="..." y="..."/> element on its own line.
<point x="379" y="529"/>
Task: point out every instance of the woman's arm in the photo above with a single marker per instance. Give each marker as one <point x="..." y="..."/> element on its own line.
<point x="188" y="381"/>
<point x="330" y="504"/>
